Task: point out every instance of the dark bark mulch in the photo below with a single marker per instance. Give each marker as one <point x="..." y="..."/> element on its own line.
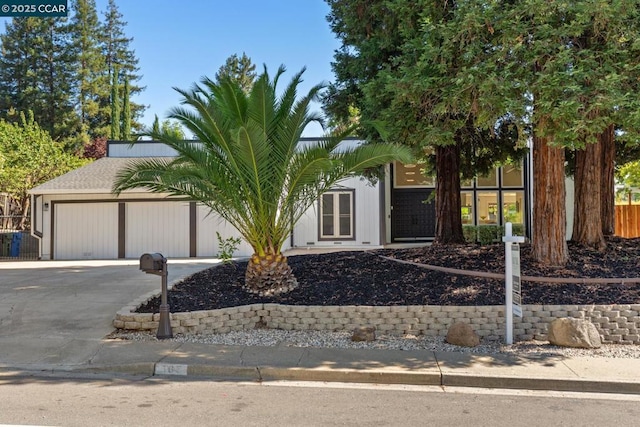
<point x="363" y="278"/>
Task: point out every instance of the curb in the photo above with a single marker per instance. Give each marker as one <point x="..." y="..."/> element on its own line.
<point x="267" y="373"/>
<point x="369" y="376"/>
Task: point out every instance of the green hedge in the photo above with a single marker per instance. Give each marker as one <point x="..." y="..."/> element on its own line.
<point x="488" y="234"/>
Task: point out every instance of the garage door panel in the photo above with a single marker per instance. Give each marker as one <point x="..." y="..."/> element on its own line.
<point x="157" y="227"/>
<point x="86" y="231"/>
<point x="210" y="223"/>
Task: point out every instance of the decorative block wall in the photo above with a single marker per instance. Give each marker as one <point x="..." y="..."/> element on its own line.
<point x="619" y="324"/>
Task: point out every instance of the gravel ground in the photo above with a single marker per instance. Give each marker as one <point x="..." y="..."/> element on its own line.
<point x="278" y="337"/>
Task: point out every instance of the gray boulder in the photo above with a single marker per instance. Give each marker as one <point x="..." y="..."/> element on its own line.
<point x="462" y="334"/>
<point x="570" y="332"/>
<point x="367" y="333"/>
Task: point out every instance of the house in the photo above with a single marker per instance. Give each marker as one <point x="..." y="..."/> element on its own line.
<point x="75" y="216"/>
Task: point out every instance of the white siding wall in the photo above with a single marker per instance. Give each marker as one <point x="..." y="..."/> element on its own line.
<point x="86" y="231"/>
<point x="569" y="205"/>
<point x="367" y="219"/>
<point x="207" y="242"/>
<point x="157" y="227"/>
<point x="141" y="149"/>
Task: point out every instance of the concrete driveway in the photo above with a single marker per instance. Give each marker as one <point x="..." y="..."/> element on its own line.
<point x="59" y="311"/>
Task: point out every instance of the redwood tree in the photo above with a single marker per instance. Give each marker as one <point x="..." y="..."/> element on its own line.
<point x="607" y="191"/>
<point x="395" y="67"/>
<point x="565" y="69"/>
<point x="549" y="221"/>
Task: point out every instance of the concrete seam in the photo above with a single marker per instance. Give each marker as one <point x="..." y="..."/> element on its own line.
<point x="439" y="369"/>
<point x="90" y="361"/>
<point x="569" y="368"/>
<point x="303" y="354"/>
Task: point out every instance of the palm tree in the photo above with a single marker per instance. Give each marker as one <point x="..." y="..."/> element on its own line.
<point x="250" y="167"/>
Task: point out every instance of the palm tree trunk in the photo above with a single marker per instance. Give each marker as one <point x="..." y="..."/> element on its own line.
<point x="269" y="275"/>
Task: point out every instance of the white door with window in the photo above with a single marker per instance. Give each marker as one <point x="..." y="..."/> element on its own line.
<point x="336" y="219"/>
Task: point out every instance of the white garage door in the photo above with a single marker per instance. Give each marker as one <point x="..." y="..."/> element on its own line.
<point x="86" y="231"/>
<point x="157" y="227"/>
<point x="208" y="225"/>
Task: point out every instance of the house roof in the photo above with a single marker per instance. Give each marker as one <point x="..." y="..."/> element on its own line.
<point x="95" y="178"/>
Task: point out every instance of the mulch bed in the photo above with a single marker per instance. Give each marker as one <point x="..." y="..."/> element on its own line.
<point x="363" y="278"/>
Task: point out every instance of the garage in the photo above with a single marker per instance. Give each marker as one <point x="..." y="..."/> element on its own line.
<point x="77" y="216"/>
<point x="85" y="230"/>
<point x="157" y="227"/>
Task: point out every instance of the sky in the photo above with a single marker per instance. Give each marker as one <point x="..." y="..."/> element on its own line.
<point x="178" y="42"/>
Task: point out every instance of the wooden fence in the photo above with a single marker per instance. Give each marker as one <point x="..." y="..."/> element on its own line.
<point x="628" y="220"/>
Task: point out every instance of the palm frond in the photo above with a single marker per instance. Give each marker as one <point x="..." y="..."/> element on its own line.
<point x="248" y="165"/>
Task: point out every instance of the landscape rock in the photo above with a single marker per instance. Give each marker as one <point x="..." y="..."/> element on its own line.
<point x="462" y="334"/>
<point x="570" y="332"/>
<point x="367" y="333"/>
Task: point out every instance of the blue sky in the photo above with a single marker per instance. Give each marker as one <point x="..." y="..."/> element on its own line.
<point x="178" y="42"/>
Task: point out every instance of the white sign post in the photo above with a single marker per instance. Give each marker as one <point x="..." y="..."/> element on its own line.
<point x="511" y="278"/>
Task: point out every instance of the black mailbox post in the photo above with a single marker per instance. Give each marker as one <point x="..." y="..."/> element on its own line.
<point x="157" y="264"/>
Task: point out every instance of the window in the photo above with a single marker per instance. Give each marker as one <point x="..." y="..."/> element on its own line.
<point x="487" y="207"/>
<point x="490" y="180"/>
<point x="512" y="206"/>
<point x="336" y="219"/>
<point x="411" y="176"/>
<point x="512" y="176"/>
<point x="466" y="199"/>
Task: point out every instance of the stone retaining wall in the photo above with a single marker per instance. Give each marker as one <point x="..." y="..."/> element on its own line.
<point x="619" y="324"/>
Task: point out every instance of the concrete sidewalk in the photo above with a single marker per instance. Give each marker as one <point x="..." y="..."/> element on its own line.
<point x="165" y="358"/>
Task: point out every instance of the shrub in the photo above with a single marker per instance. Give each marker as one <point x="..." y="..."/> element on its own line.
<point x="227" y="247"/>
<point x="518" y="229"/>
<point x="470" y="233"/>
<point x="488" y="234"/>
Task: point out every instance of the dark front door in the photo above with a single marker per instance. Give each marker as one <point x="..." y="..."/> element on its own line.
<point x="411" y="217"/>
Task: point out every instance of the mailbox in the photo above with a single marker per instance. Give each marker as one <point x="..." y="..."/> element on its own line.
<point x="152" y="262"/>
<point x="157" y="264"/>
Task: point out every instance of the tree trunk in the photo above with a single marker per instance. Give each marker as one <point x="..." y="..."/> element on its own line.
<point x="26" y="203"/>
<point x="549" y="244"/>
<point x="269" y="275"/>
<point x="448" y="216"/>
<point x="587" y="223"/>
<point x="607" y="193"/>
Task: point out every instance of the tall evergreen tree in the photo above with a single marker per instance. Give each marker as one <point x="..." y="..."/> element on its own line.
<point x="395" y="68"/>
<point x="126" y="111"/>
<point x="92" y="80"/>
<point x="241" y="70"/>
<point x="37" y="71"/>
<point x="565" y="68"/>
<point x="118" y="53"/>
<point x="115" y="106"/>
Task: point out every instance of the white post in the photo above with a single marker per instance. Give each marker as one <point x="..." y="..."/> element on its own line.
<point x="508" y="278"/>
<point x="508" y="240"/>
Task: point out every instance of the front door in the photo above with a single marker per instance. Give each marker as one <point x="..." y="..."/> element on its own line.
<point x="412" y="217"/>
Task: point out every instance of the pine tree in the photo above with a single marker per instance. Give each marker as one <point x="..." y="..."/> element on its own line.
<point x="92" y="81"/>
<point x="36" y="71"/>
<point x="118" y="54"/>
<point x="241" y="70"/>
